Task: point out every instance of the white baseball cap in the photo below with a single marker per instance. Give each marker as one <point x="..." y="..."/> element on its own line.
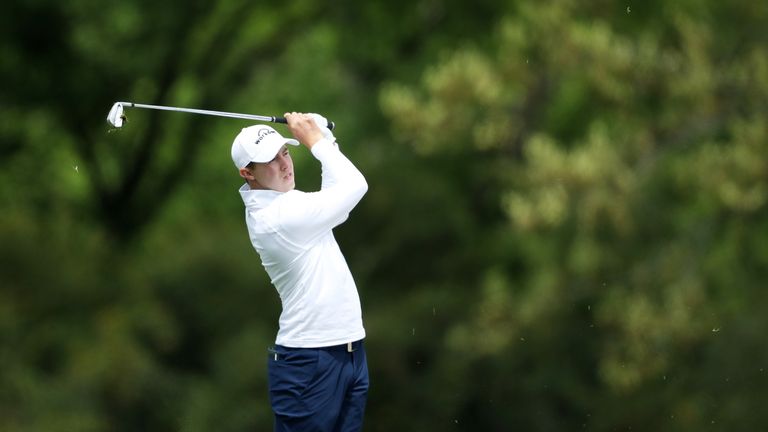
<point x="258" y="143"/>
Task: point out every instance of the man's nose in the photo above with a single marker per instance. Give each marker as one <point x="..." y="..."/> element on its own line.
<point x="283" y="160"/>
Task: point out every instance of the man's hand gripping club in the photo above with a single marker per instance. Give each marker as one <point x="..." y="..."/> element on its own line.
<point x="306" y="129"/>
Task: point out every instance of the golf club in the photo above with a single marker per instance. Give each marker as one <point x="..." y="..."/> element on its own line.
<point x="116" y="117"/>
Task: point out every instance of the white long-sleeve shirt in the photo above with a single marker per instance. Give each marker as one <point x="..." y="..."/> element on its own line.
<point x="292" y="232"/>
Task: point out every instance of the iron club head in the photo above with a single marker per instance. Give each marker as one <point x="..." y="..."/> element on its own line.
<point x="116" y="116"/>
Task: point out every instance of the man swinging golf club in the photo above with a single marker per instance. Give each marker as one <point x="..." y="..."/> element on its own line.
<point x="318" y="375"/>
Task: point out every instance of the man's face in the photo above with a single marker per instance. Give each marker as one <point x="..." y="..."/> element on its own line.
<point x="276" y="174"/>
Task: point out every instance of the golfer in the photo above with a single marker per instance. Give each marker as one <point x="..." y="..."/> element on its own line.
<point x="318" y="375"/>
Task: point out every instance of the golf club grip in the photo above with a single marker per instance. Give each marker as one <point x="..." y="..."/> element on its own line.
<point x="331" y="125"/>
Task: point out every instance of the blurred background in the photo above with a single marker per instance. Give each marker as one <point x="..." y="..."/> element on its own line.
<point x="566" y="227"/>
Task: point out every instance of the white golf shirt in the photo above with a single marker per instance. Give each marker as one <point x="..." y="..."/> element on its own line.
<point x="292" y="232"/>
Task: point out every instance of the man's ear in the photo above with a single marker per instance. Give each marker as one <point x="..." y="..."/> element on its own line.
<point x="246" y="174"/>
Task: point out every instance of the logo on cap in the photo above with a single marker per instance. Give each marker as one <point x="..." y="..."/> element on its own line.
<point x="262" y="134"/>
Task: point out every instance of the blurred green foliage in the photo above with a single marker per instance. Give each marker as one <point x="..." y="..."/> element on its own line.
<point x="565" y="230"/>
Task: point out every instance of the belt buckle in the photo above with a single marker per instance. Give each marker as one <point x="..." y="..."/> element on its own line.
<point x="349" y="347"/>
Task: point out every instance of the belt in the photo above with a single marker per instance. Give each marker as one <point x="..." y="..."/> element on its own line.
<point x="348" y="347"/>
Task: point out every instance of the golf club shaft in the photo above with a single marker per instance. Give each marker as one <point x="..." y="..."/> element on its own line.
<point x="272" y="119"/>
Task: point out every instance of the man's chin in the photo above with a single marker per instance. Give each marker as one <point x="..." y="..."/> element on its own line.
<point x="289" y="187"/>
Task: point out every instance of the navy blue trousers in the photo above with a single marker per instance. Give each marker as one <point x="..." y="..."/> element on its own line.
<point x="318" y="389"/>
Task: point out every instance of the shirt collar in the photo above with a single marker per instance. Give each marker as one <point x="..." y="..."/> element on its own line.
<point x="257" y="198"/>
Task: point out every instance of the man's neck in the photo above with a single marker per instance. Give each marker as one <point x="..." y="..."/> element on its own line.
<point x="255" y="185"/>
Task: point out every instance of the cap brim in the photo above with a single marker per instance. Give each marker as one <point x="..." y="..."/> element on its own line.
<point x="269" y="155"/>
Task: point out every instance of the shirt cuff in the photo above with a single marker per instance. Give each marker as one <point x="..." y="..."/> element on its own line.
<point x="322" y="148"/>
